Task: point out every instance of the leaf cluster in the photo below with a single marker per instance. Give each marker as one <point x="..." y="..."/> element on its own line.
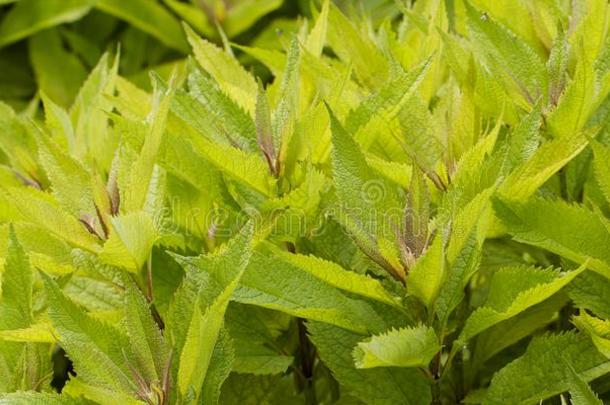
<point x="410" y="212"/>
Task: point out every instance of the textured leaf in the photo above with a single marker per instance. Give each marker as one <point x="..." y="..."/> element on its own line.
<point x="591" y="291"/>
<point x="72" y="184"/>
<point x="378" y="385"/>
<point x="407" y="347"/>
<point x="246" y="168"/>
<point x="150" y="349"/>
<point x="254" y="390"/>
<point x="541" y="373"/>
<point x="96" y="348"/>
<point x="601" y="163"/>
<point x="369" y="204"/>
<point x="287" y="288"/>
<point x="220" y="367"/>
<point x="580" y="392"/>
<point x="352" y="47"/>
<point x="220" y="112"/>
<point x="514" y="58"/>
<point x="388" y="99"/>
<point x="39" y="332"/>
<point x="597" y="329"/>
<point x="317" y="36"/>
<point x="507" y="333"/>
<point x="426" y="277"/>
<point x="42" y="209"/>
<point x="142" y="169"/>
<point x="259" y="360"/>
<point x="88" y="116"/>
<point x="546" y="161"/>
<point x="208" y="317"/>
<point x="568" y="230"/>
<point x="229" y="74"/>
<point x="335" y="275"/>
<point x="17" y="286"/>
<point x="512" y="292"/>
<point x="130" y="241"/>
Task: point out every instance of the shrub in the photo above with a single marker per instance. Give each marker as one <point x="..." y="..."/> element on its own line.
<point x="412" y="214"/>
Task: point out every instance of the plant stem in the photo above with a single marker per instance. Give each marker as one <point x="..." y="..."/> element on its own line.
<point x="307" y="356"/>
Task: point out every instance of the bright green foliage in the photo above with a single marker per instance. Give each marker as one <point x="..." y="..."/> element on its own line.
<point x="512" y="291"/>
<point x="580" y="392"/>
<point x="409" y="205"/>
<point x="545" y="360"/>
<point x="574" y="232"/>
<point x="408" y="347"/>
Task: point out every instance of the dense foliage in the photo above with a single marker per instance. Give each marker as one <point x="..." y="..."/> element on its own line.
<point x="407" y="212"/>
<point x="36" y="34"/>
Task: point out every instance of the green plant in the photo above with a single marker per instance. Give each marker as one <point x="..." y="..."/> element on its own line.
<point x="412" y="214"/>
<point x="35" y="34"/>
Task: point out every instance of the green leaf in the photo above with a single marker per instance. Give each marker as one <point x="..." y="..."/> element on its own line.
<point x="40" y="332"/>
<point x="97" y="349"/>
<point x="285" y="287"/>
<point x="255" y="390"/>
<point x="591" y="290"/>
<point x="568" y="230"/>
<point x="149" y="17"/>
<point x="208" y="313"/>
<point x="141" y="172"/>
<point x="541" y="373"/>
<point x="243" y="167"/>
<point x="208" y="109"/>
<point x="17" y="142"/>
<point x="527" y="177"/>
<point x="512" y="291"/>
<point x="388" y="99"/>
<point x="246" y="12"/>
<point x="259" y="360"/>
<point x="384" y="386"/>
<point x="368" y="204"/>
<point x="93" y="140"/>
<point x="580" y="392"/>
<point x="524" y="138"/>
<point x="507" y="333"/>
<point x="426" y="277"/>
<point x="337" y="276"/>
<point x="17" y="287"/>
<point x="59" y="82"/>
<point x="71" y="182"/>
<point x="130" y="242"/>
<point x="354" y="47"/>
<point x="597" y="329"/>
<point x="221" y="364"/>
<point x="30" y="16"/>
<point x="510" y="55"/>
<point x="317" y="36"/>
<point x="586" y="90"/>
<point x="405" y="347"/>
<point x="420" y="131"/>
<point x="150" y="350"/>
<point x="601" y="164"/>
<point x="75" y="387"/>
<point x="43" y="210"/>
<point x="230" y="75"/>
